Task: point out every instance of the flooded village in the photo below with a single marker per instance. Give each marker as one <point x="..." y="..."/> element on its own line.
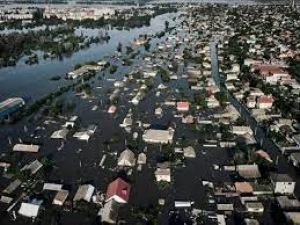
<point x="195" y="123"/>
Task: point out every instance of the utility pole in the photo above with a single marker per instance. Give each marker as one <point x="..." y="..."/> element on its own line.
<point x="48" y="3"/>
<point x="293" y="3"/>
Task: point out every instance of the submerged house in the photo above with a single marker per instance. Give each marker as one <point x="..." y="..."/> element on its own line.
<point x="84" y="192"/>
<point x="283" y="184"/>
<point x="33" y="167"/>
<point x="26" y="148"/>
<point x="112" y="109"/>
<point x="12" y="186"/>
<point x="248" y="171"/>
<point x="118" y="190"/>
<point x="255" y="207"/>
<point x="109" y="212"/>
<point x="29" y="210"/>
<point x="159" y="135"/>
<point x="127" y="158"/>
<point x="60" y="197"/>
<point x="183" y="106"/>
<point x="189" y="152"/>
<point x="140" y="40"/>
<point x="60" y="134"/>
<point x="82" y="135"/>
<point x="163" y="174"/>
<point x="142" y="159"/>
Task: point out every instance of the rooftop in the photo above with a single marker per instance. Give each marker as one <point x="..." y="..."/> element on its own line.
<point x="11" y="102"/>
<point x="26" y="148"/>
<point x="267" y="69"/>
<point x="248" y="171"/>
<point x="243" y="187"/>
<point x="293" y="216"/>
<point x="263" y="154"/>
<point x="119" y="188"/>
<point x="295" y="156"/>
<point x="288" y="203"/>
<point x="265" y="99"/>
<point x="281" y="178"/>
<point x="84" y="192"/>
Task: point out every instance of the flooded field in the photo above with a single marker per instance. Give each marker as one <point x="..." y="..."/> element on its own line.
<point x="33" y="81"/>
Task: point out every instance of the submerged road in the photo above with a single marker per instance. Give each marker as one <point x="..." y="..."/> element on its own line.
<point x="266" y="143"/>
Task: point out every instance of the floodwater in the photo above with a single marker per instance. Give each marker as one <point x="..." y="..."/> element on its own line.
<point x="186" y="182"/>
<point x="78" y="161"/>
<point x="32" y="81"/>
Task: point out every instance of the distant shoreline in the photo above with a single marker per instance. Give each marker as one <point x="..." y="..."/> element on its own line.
<point x="143" y="3"/>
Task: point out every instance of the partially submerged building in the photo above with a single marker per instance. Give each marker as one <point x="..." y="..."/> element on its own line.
<point x="293" y="217"/>
<point x="295" y="158"/>
<point x="283" y="184"/>
<point x="118" y="190"/>
<point x="287" y="203"/>
<point x="33" y="167"/>
<point x="183" y="106"/>
<point x="248" y="171"/>
<point x="26" y="148"/>
<point x="29" y="210"/>
<point x="60" y="134"/>
<point x="84" y="192"/>
<point x="189" y="152"/>
<point x="52" y="187"/>
<point x="82" y="135"/>
<point x="243" y="187"/>
<point x="12" y="186"/>
<point x="60" y="197"/>
<point x="158" y="136"/>
<point x="110" y="211"/>
<point x="127" y="158"/>
<point x="112" y="109"/>
<point x="10" y="106"/>
<point x="142" y="159"/>
<point x="255" y="207"/>
<point x="163" y="174"/>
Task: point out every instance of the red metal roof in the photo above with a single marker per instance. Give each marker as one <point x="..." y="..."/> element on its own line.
<point x="112" y="109"/>
<point x="265" y="99"/>
<point x="267" y="69"/>
<point x="119" y="188"/>
<point x="182" y="105"/>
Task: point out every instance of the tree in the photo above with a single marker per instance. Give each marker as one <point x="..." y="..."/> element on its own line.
<point x="113" y="69"/>
<point x="168" y="152"/>
<point x="199" y="99"/>
<point x="129" y="49"/>
<point x="164" y="75"/>
<point x="222" y="98"/>
<point x="149" y="82"/>
<point x="166" y="25"/>
<point x="119" y="48"/>
<point x="147" y="46"/>
<point x="163" y="185"/>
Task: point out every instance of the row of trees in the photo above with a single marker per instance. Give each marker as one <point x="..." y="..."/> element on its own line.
<point x="56" y="41"/>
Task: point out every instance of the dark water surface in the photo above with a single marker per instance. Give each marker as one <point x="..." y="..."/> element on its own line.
<point x="33" y="81"/>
